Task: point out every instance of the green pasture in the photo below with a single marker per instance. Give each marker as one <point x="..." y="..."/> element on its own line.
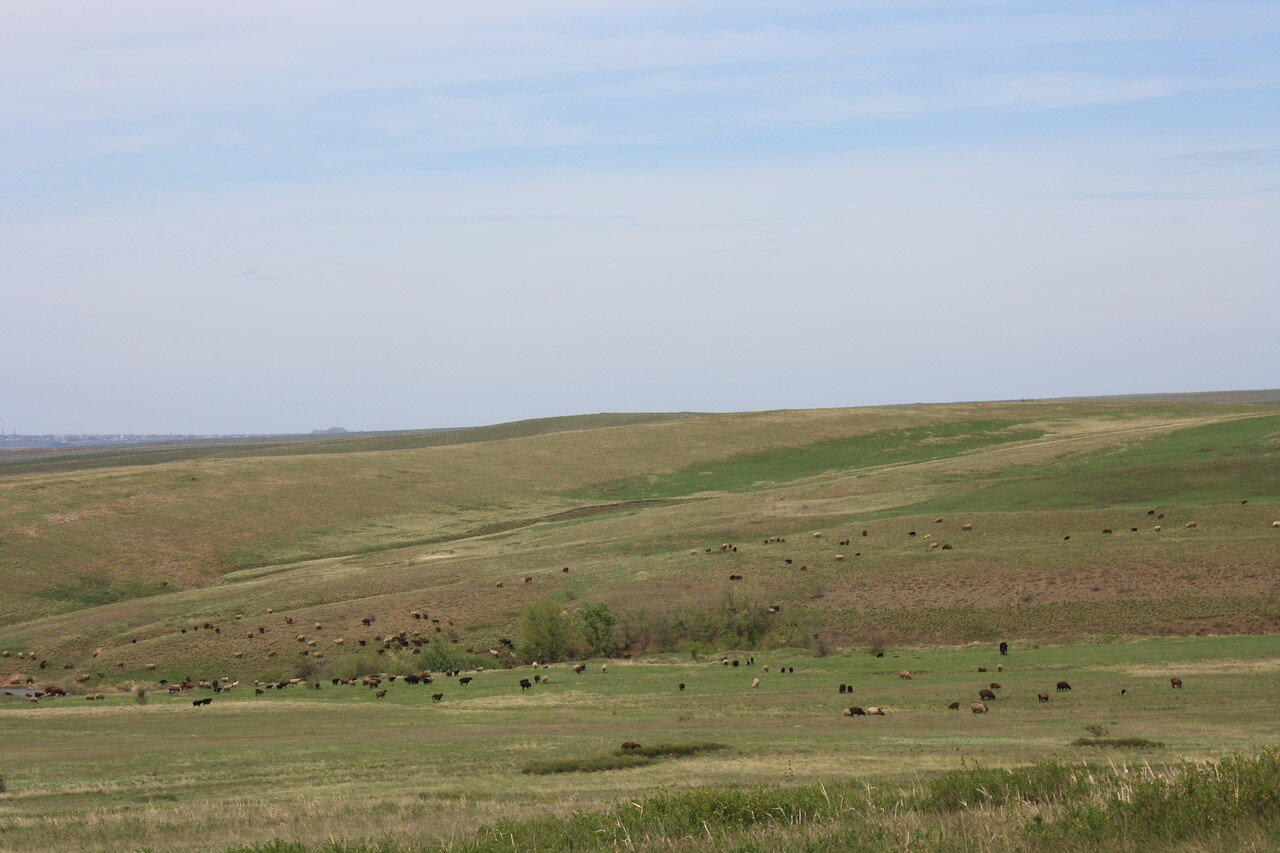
<point x="341" y="764"/>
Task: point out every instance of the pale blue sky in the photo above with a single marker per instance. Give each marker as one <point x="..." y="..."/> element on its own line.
<point x="263" y="217"/>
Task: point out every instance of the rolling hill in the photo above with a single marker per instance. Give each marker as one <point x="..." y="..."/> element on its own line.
<point x="127" y="551"/>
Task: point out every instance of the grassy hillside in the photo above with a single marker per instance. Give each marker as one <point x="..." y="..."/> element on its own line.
<point x="120" y="558"/>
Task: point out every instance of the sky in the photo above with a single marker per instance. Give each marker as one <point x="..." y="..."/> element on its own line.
<point x="265" y="217"/>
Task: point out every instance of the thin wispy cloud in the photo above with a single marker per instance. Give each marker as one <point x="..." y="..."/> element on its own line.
<point x="401" y="192"/>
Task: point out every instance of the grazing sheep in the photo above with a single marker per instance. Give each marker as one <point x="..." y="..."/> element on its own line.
<point x="604" y="667"/>
<point x="1062" y="685"/>
<point x="766" y="667"/>
<point x="1276" y="523"/>
<point x="525" y="684"/>
<point x="966" y="527"/>
<point x="579" y="668"/>
<point x="1106" y="530"/>
<point x="380" y="694"/>
<point x="874" y="711"/>
<point x="817" y="536"/>
<point x="682" y="685"/>
<point x="1159" y="527"/>
<point x="756" y="683"/>
<point x="978" y="708"/>
<point x="436" y="697"/>
<point x="1175" y="682"/>
<point x="999" y="667"/>
<point x="954" y="706"/>
<point x="854" y="711"/>
<point x="844" y="688"/>
<point x="465" y="680"/>
<point x="986" y="694"/>
<point x="528" y="580"/>
<point x="1043" y="697"/>
<point x="631" y="746"/>
<point x="982" y="669"/>
<point x="904" y="674"/>
<point x="839" y="556"/>
<point x="995" y="686"/>
<point x="1189" y="524"/>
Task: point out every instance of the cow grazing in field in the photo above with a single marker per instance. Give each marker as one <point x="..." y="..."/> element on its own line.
<point x="1175" y="682"/>
<point x="436" y="697"/>
<point x="987" y="695"/>
<point x="954" y="706"/>
<point x="854" y="711"/>
<point x="630" y="746"/>
<point x="1062" y="685"/>
<point x="465" y="680"/>
<point x="1043" y="697"/>
<point x="978" y="707"/>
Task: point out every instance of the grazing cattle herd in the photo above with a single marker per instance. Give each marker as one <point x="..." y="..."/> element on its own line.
<point x="413" y="641"/>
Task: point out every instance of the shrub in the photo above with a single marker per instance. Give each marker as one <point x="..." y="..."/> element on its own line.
<point x="597" y="628"/>
<point x="544" y="631"/>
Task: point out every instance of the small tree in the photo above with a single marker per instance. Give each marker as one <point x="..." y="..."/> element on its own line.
<point x="544" y="631"/>
<point x="597" y="623"/>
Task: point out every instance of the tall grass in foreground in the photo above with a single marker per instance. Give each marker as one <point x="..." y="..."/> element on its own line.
<point x="1232" y="803"/>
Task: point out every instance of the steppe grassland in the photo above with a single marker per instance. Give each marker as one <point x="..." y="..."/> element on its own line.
<point x="340" y="764"/>
<point x="1012" y="575"/>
